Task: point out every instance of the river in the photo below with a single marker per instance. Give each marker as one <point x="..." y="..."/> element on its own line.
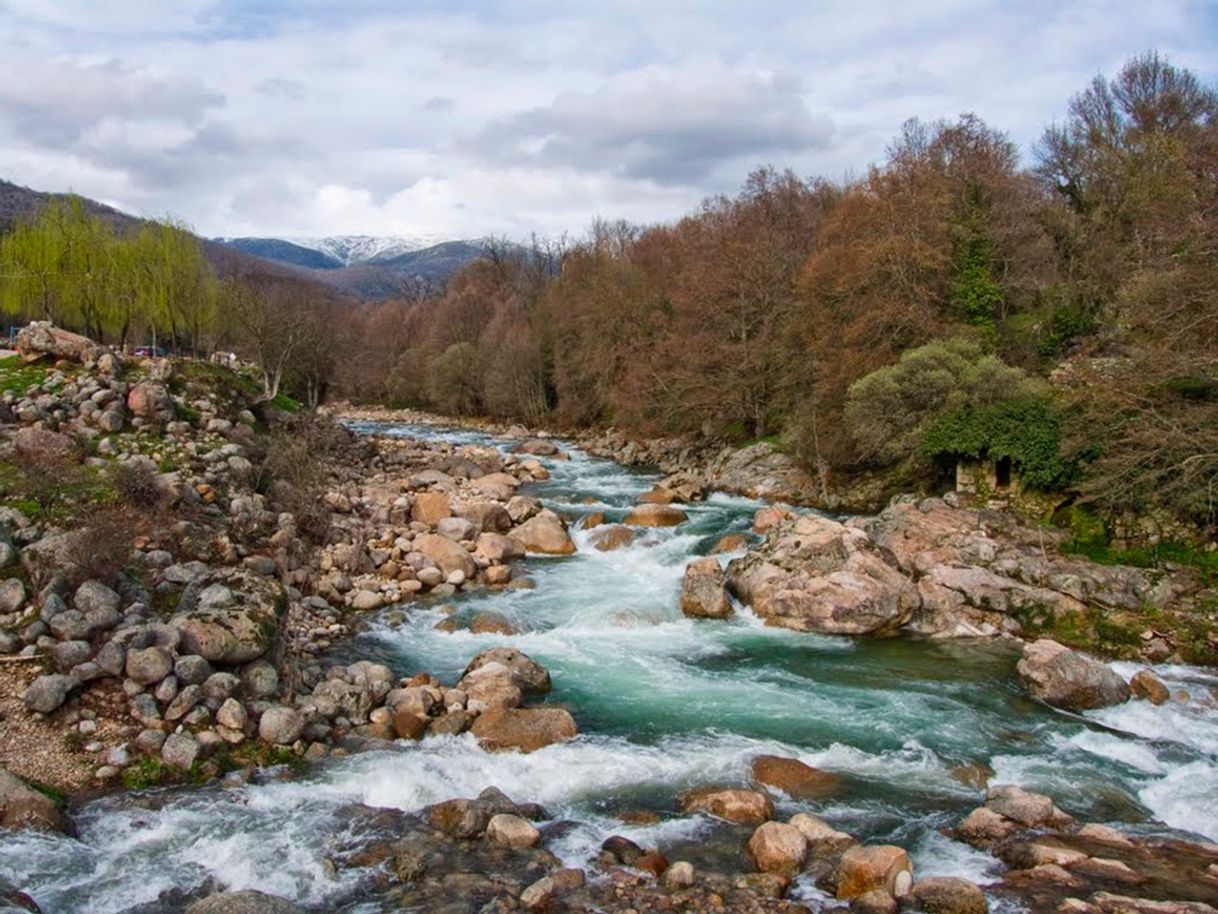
<point x="663" y="703"/>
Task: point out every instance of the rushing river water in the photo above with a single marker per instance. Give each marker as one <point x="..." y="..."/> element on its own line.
<point x="663" y="703"/>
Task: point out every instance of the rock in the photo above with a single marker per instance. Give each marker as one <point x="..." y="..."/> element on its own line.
<point x="94" y="596"/>
<point x="486" y="516"/>
<point x="654" y="864"/>
<point x="1031" y="810"/>
<point x="234" y="620"/>
<point x="149" y="665"/>
<point x="281" y="725"/>
<point x="544" y="533"/>
<point x="1150" y="687"/>
<point x="180" y="750"/>
<point x="495" y="547"/>
<point x="794" y="778"/>
<point x="538" y="895"/>
<point x="529" y="675"/>
<point x="818" y="575"/>
<point x="450" y="556"/>
<point x="730" y="542"/>
<point x="39" y="338"/>
<point x="679" y="875"/>
<point x="823" y="839"/>
<point x="876" y="901"/>
<point x="513" y="831"/>
<point x="703" y="590"/>
<point x="12" y="595"/>
<point x="491" y="685"/>
<point x="984" y="827"/>
<point x="367" y="600"/>
<point x="776" y="847"/>
<point x="150" y="401"/>
<point x="538" y="447"/>
<point x="609" y="537"/>
<point x="1067" y="679"/>
<point x="430" y="508"/>
<point x="258" y="679"/>
<point x="247" y="901"/>
<point x="67" y="654"/>
<point x="457" y="528"/>
<point x="488" y="623"/>
<point x="46" y="693"/>
<point x="867" y="867"/>
<point x="747" y="807"/>
<point x="525" y="729"/>
<point x="21" y="806"/>
<point x="649" y="515"/>
<point x="191" y="669"/>
<point x="232" y="714"/>
<point x="947" y="895"/>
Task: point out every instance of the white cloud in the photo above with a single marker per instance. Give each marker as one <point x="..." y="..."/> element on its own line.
<point x="454" y="119"/>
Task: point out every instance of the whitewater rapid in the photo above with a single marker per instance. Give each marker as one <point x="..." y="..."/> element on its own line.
<point x="664" y="703"/>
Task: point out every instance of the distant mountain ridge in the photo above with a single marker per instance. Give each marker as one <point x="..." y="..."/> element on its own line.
<point x="367" y="266"/>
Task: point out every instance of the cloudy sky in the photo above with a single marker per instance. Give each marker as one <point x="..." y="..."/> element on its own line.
<point x="457" y="119"/>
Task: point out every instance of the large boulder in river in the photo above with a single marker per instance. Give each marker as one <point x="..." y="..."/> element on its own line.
<point x="21" y="806"/>
<point x="867" y="867"/>
<point x="703" y="590"/>
<point x="818" y="575"/>
<point x="492" y="685"/>
<point x="247" y="901"/>
<point x="530" y="676"/>
<point x="449" y="555"/>
<point x="1067" y="679"/>
<point x="794" y="778"/>
<point x="524" y="729"/>
<point x="233" y="618"/>
<point x="748" y="807"/>
<point x="650" y="515"/>
<point x="544" y="533"/>
<point x="777" y="847"/>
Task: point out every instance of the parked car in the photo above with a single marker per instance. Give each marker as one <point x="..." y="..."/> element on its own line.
<point x="149" y="352"/>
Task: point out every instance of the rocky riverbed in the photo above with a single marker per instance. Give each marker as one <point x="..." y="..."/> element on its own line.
<point x="372" y="690"/>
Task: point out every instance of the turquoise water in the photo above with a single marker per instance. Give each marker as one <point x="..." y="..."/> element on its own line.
<point x="663" y="703"/>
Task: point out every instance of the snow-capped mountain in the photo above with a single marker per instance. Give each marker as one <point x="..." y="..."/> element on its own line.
<point x="352" y="249"/>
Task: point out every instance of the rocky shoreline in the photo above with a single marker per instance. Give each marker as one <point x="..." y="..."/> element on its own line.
<point x="201" y="656"/>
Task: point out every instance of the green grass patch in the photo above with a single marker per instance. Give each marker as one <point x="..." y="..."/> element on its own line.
<point x="16" y="376"/>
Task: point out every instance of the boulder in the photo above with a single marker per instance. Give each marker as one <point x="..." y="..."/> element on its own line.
<point x="488" y="623"/>
<point x="609" y="537"/>
<point x="148" y="665"/>
<point x="544" y="533"/>
<point x="747" y="807"/>
<point x="497" y="486"/>
<point x="21" y="806"/>
<point x="1068" y="679"/>
<point x="650" y="515"/>
<point x="46" y="693"/>
<point x="703" y="590"/>
<point x="538" y="447"/>
<point x="181" y="750"/>
<point x="823" y="839"/>
<point x="42" y="338"/>
<point x="524" y="729"/>
<point x="528" y="674"/>
<point x="947" y="895"/>
<point x="247" y="901"/>
<point x="817" y="575"/>
<point x="491" y="685"/>
<point x="281" y="725"/>
<point x="867" y="867"/>
<point x="150" y="401"/>
<point x="1146" y="685"/>
<point x="513" y="831"/>
<point x="776" y="847"/>
<point x="234" y="619"/>
<point x="430" y="508"/>
<point x="486" y="516"/>
<point x="449" y="555"/>
<point x="96" y="597"/>
<point x="1031" y="810"/>
<point x="495" y="547"/>
<point x="794" y="778"/>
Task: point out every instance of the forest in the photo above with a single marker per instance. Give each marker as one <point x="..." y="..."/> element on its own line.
<point x="952" y="301"/>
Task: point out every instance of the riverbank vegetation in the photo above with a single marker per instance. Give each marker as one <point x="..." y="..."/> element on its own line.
<point x="951" y="301"/>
